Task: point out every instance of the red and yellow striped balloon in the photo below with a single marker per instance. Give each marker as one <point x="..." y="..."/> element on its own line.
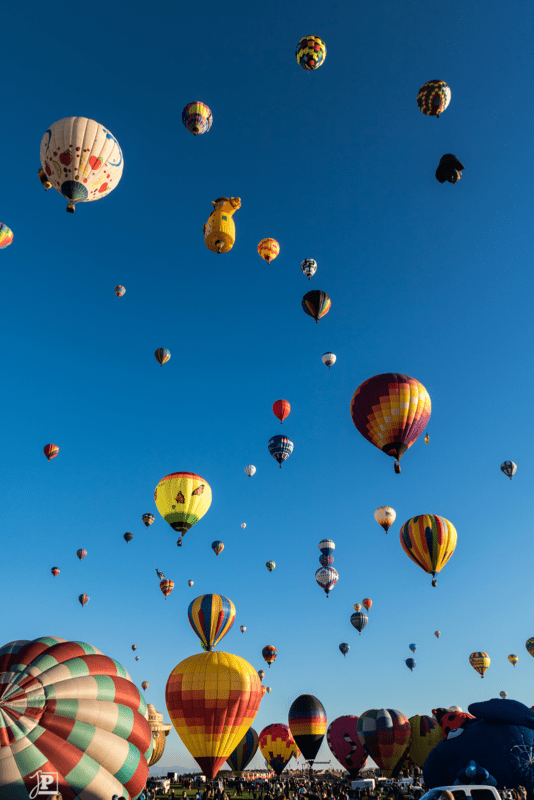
<point x="429" y="541"/>
<point x="268" y="249"/>
<point x="212" y="699"/>
<point x="277" y="746"/>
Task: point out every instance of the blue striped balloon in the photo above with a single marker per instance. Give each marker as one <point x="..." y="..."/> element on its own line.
<point x="280" y="447"/>
<point x="244" y="752"/>
<point x="211" y="617"/>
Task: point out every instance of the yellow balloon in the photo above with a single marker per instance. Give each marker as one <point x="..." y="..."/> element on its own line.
<point x="182" y="498"/>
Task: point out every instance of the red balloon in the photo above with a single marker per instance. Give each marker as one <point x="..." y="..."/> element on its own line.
<point x="344" y="744"/>
<point x="281" y="409"/>
<point x="51" y="450"/>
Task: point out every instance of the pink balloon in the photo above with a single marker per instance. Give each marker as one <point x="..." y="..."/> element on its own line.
<point x="345" y="745"/>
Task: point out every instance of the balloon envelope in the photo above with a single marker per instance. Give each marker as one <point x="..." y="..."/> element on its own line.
<point x="410" y="663"/>
<point x="277" y="746"/>
<point x="211" y="616"/>
<point x="426" y="734"/>
<point x="529" y="644"/>
<point x="162" y="355"/>
<point x="119" y="291"/>
<point x="250" y="470"/>
<point x="359" y="620"/>
<point x="309" y="267"/>
<point x="6" y="236"/>
<point x="268" y="249"/>
<point x="367" y="603"/>
<point x="307" y="722"/>
<point x="83" y="599"/>
<point x="344" y="648"/>
<point x="280" y="447"/>
<point x="385" y="516"/>
<point x="316" y="304"/>
<point x="269" y="654"/>
<point x="480" y="662"/>
<point x="513" y="659"/>
<point x="429" y="541"/>
<point x="344" y="744"/>
<point x="270" y="565"/>
<point x="385" y="734"/>
<point x="281" y="409"/>
<point x="148" y="519"/>
<point x="245" y="751"/>
<point x="217" y="547"/>
<point x="310" y="52"/>
<point x="50" y="450"/>
<point x="326" y="577"/>
<point x="197" y="117"/>
<point x="433" y="98"/>
<point x="182" y="498"/>
<point x="166" y="587"/>
<point x="81" y="553"/>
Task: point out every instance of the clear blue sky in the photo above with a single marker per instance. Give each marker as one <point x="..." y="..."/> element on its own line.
<point x="431" y="280"/>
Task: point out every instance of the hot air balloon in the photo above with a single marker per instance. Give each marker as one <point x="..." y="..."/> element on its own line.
<point x="344" y="744"/>
<point x="182" y="498"/>
<point x="326" y="561"/>
<point x="268" y="249"/>
<point x="316" y="304"/>
<point x="433" y="98"/>
<point x="480" y="662"/>
<point x="509" y="468"/>
<point x="211" y="616"/>
<point x="197" y="117"/>
<point x="513" y="659"/>
<point x="367" y="603"/>
<point x="427" y="439"/>
<point x="413" y="647"/>
<point x="385" y="735"/>
<point x="50" y="451"/>
<point x="212" y="699"/>
<point x="429" y="541"/>
<point x="309" y="267"/>
<point x="277" y="746"/>
<point x="327" y="547"/>
<point x="269" y="654"/>
<point x="357" y="607"/>
<point x="148" y="519"/>
<point x="134" y="647"/>
<point x="137" y="658"/>
<point x="270" y="565"/>
<point x="503" y="695"/>
<point x="437" y="634"/>
<point x="281" y="409"/>
<point x="242" y="628"/>
<point x="359" y="620"/>
<point x="449" y="169"/>
<point x="190" y="583"/>
<point x="119" y="291"/>
<point x="55" y="571"/>
<point x="529" y="644"/>
<point x="166" y="587"/>
<point x="261" y="674"/>
<point x="83" y="599"/>
<point x="6" y="236"/>
<point x="217" y="547"/>
<point x="219" y="230"/>
<point x="250" y="470"/>
<point x="82" y="160"/>
<point x="280" y="447"/>
<point x="385" y="516"/>
<point x="328" y="359"/>
<point x="128" y="537"/>
<point x="268" y="689"/>
<point x="81" y="553"/>
<point x="310" y="52"/>
<point x="391" y="411"/>
<point x="145" y="685"/>
<point x="245" y="751"/>
<point x="307" y="722"/>
<point x="160" y="730"/>
<point x="344" y="648"/>
<point x="426" y="734"/>
<point x="326" y="577"/>
<point x="73" y="703"/>
<point x="162" y="355"/>
<point x="410" y="663"/>
<point x="160" y="574"/>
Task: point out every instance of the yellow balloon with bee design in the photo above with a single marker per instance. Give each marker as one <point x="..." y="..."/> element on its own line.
<point x="182" y="498"/>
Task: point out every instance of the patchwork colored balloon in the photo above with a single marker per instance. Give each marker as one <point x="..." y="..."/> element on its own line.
<point x="83" y="599"/>
<point x="281" y="409"/>
<point x="385" y="734"/>
<point x="269" y="654"/>
<point x="68" y="709"/>
<point x="429" y="541"/>
<point x="268" y="249"/>
<point x="50" y="451"/>
<point x="326" y="561"/>
<point x="316" y="304"/>
<point x="385" y="516"/>
<point x="326" y="577"/>
<point x="270" y="565"/>
<point x="217" y="547"/>
<point x="81" y="159"/>
<point x="56" y="570"/>
<point x="328" y="359"/>
<point x="480" y="662"/>
<point x="513" y="659"/>
<point x="6" y="236"/>
<point x="391" y="411"/>
<point x="197" y="117"/>
<point x="162" y="355"/>
<point x="166" y="587"/>
<point x="182" y="498"/>
<point x="359" y="621"/>
<point x="211" y="616"/>
<point x="310" y="52"/>
<point x="245" y="751"/>
<point x="529" y="644"/>
<point x="148" y="519"/>
<point x="212" y="699"/>
<point x="280" y="447"/>
<point x="344" y="744"/>
<point x="119" y="291"/>
<point x="219" y="230"/>
<point x="309" y="267"/>
<point x="307" y="722"/>
<point x="433" y="98"/>
<point x="277" y="746"/>
<point x="426" y="734"/>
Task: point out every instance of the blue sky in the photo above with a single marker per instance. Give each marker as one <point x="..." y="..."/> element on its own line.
<point x="430" y="280"/>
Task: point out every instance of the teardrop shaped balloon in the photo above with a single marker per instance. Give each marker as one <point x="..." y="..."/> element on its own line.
<point x="269" y="654"/>
<point x="437" y="634"/>
<point x="134" y="647"/>
<point x="261" y="674"/>
<point x="217" y="547"/>
<point x="309" y="267"/>
<point x="50" y="451"/>
<point x="162" y="355"/>
<point x="268" y="249"/>
<point x="250" y="470"/>
<point x="120" y="291"/>
<point x="316" y="304"/>
<point x="367" y="603"/>
<point x="211" y="616"/>
<point x="128" y="537"/>
<point x="6" y="236"/>
<point x="245" y="751"/>
<point x="344" y="744"/>
<point x="212" y="699"/>
<point x="426" y="734"/>
<point x="311" y="52"/>
<point x="281" y="409"/>
<point x="243" y="524"/>
<point x="385" y="734"/>
<point x="307" y="722"/>
<point x="277" y="746"/>
<point x="166" y="587"/>
<point x="81" y="159"/>
<point x="270" y="565"/>
<point x="190" y="583"/>
<point x="326" y="561"/>
<point x="359" y="620"/>
<point x="280" y="447"/>
<point x="55" y="571"/>
<point x="413" y="647"/>
<point x="344" y="648"/>
<point x="513" y="659"/>
<point x="433" y="98"/>
<point x="410" y="663"/>
<point x="509" y="469"/>
<point x="429" y="541"/>
<point x="529" y="644"/>
<point x="83" y="599"/>
<point x="145" y="685"/>
<point x="148" y="519"/>
<point x="480" y="662"/>
<point x="81" y="553"/>
<point x="197" y="117"/>
<point x="385" y="516"/>
<point x="326" y="577"/>
<point x="328" y="359"/>
<point x="242" y="628"/>
<point x="182" y="499"/>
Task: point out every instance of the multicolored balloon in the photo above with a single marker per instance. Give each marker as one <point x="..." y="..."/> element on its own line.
<point x="316" y="304"/>
<point x="391" y="411"/>
<point x="269" y="654"/>
<point x="261" y="674"/>
<point x="55" y="571"/>
<point x="82" y="160"/>
<point x="212" y="699"/>
<point x="433" y="98"/>
<point x="166" y="587"/>
<point x="250" y="470"/>
<point x="243" y="524"/>
<point x="268" y="249"/>
<point x="529" y="644"/>
<point x="344" y="648"/>
<point x="385" y="516"/>
<point x="81" y="553"/>
<point x="480" y="662"/>
<point x="245" y="751"/>
<point x="134" y="647"/>
<point x="504" y="695"/>
<point x="68" y="709"/>
<point x="385" y="734"/>
<point x="367" y="603"/>
<point x="277" y="746"/>
<point x="217" y="547"/>
<point x="429" y="541"/>
<point x="270" y="565"/>
<point x="148" y="519"/>
<point x="50" y="451"/>
<point x="145" y="685"/>
<point x="509" y="469"/>
<point x="197" y="117"/>
<point x="162" y="355"/>
<point x="211" y="616"/>
<point x="513" y="659"/>
<point x="328" y="359"/>
<point x="119" y="291"/>
<point x="410" y="663"/>
<point x="281" y="409"/>
<point x="359" y="620"/>
<point x="326" y="546"/>
<point x="326" y="577"/>
<point x="309" y="267"/>
<point x="182" y="499"/>
<point x="6" y="236"/>
<point x="344" y="744"/>
<point x="307" y="722"/>
<point x="83" y="599"/>
<point x="280" y="447"/>
<point x="426" y="734"/>
<point x="310" y="52"/>
<point x="242" y="628"/>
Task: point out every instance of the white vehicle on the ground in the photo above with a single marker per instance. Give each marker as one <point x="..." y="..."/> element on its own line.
<point x="162" y="785"/>
<point x="364" y="783"/>
<point x="464" y="792"/>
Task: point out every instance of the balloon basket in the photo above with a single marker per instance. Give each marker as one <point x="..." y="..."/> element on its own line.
<point x="71" y="208"/>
